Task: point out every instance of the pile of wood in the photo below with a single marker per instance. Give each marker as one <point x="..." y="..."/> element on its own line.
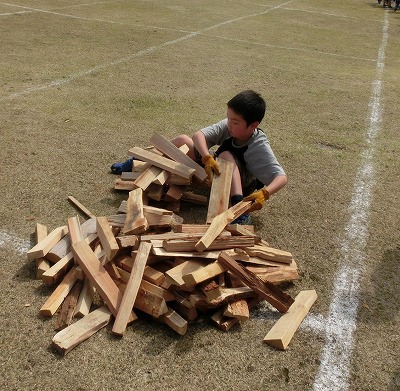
<point x="145" y="259"/>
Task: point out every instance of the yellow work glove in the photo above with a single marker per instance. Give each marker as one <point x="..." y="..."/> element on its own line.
<point x="211" y="166"/>
<point x="259" y="197"/>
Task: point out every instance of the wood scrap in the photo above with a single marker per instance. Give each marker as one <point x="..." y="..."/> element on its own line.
<point x="283" y="330"/>
<point x="182" y="278"/>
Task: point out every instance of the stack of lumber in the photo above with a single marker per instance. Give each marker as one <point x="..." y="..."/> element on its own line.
<point x="163" y="172"/>
<point x="144" y="259"/>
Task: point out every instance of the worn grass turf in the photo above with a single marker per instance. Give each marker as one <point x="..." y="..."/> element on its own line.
<point x="81" y="83"/>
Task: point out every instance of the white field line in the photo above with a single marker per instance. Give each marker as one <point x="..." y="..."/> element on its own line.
<point x="70" y="78"/>
<point x="330" y="14"/>
<point x="8" y="239"/>
<point x="291" y="48"/>
<point x="334" y="371"/>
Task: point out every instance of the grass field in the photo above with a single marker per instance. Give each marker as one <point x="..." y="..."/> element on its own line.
<point x="82" y="82"/>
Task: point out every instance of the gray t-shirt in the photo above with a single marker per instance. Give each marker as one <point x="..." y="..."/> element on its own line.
<point x="259" y="158"/>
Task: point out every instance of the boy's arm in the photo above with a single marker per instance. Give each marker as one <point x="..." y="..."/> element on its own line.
<point x="277" y="184"/>
<point x="210" y="165"/>
<point x="200" y="143"/>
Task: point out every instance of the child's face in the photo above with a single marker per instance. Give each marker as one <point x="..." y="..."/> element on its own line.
<point x="238" y="127"/>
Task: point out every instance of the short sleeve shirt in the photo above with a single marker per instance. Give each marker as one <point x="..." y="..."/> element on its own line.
<point x="260" y="160"/>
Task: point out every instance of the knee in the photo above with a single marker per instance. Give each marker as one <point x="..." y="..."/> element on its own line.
<point x="181" y="140"/>
<point x="227" y="156"/>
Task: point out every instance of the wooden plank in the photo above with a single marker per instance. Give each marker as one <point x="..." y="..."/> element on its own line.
<point x="238" y="309"/>
<point x="74" y="229"/>
<point x="127" y="241"/>
<point x="225" y="323"/>
<point x="197" y="199"/>
<point x="65" y="340"/>
<point x="223" y="243"/>
<point x="46" y="244"/>
<point x="174" y="275"/>
<point x="85" y="299"/>
<point x="62" y="248"/>
<point x="139" y="166"/>
<point x="155" y="192"/>
<point x="161" y="178"/>
<point x="148" y="302"/>
<point x="268" y="291"/>
<point x="203" y="274"/>
<point x="174" y="193"/>
<point x="220" y="190"/>
<point x="178" y="180"/>
<point x="58" y="270"/>
<point x="124" y="185"/>
<point x="160" y="252"/>
<point x="269" y="253"/>
<point x="107" y="238"/>
<point x="66" y="314"/>
<point x="162" y="162"/>
<point x="147" y="177"/>
<point x="132" y="289"/>
<point x="129" y="176"/>
<point x="59" y="294"/>
<point x="173" y="152"/>
<point x="135" y="221"/>
<point x="150" y="274"/>
<point x="175" y="321"/>
<point x="220" y="222"/>
<point x="282" y="332"/>
<point x="42" y="264"/>
<point x="81" y="207"/>
<point x="99" y="277"/>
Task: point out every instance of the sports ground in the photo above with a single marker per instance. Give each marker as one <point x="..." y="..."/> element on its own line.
<point x="81" y="82"/>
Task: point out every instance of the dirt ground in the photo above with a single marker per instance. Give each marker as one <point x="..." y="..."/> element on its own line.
<point x="82" y="82"/>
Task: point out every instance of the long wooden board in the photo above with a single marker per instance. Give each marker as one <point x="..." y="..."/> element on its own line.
<point x="162" y="162"/>
<point x="99" y="277"/>
<point x="132" y="289"/>
<point x="173" y="152"/>
<point x="220" y="190"/>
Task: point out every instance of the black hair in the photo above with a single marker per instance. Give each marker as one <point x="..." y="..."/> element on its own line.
<point x="250" y="105"/>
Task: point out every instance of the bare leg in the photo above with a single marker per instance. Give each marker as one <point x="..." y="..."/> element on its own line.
<point x="184" y="139"/>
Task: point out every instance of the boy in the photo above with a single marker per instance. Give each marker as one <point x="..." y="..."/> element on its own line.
<point x="241" y="142"/>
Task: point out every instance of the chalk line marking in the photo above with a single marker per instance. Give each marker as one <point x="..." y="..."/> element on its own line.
<point x="8" y="239"/>
<point x="68" y="79"/>
<point x="290" y="48"/>
<point x="334" y="371"/>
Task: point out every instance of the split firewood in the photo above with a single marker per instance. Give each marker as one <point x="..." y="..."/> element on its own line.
<point x="66" y="314"/>
<point x="60" y="293"/>
<point x="65" y="340"/>
<point x="282" y="332"/>
<point x="45" y="245"/>
<point x="107" y="239"/>
<point x="99" y="277"/>
<point x="268" y="291"/>
<point x="135" y="221"/>
<point x="42" y="264"/>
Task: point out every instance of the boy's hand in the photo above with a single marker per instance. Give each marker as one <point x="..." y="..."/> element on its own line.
<point x="211" y="166"/>
<point x="259" y="197"/>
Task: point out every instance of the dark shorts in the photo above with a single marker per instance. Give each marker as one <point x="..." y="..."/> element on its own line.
<point x="249" y="182"/>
